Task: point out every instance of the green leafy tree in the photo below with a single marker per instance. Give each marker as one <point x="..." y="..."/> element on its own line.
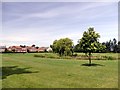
<point x="115" y="45"/>
<point x="118" y="47"/>
<point x="77" y="48"/>
<point x="89" y="43"/>
<point x="111" y="45"/>
<point x="63" y="46"/>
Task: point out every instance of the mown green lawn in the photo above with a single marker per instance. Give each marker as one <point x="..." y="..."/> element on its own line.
<point x="27" y="71"/>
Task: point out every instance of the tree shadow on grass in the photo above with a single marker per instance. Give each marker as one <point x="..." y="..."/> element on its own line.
<point x="93" y="64"/>
<point x="10" y="70"/>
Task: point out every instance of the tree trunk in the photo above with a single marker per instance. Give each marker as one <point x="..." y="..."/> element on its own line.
<point x="90" y="58"/>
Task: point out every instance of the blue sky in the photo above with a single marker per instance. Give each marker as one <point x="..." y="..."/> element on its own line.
<point x="40" y="23"/>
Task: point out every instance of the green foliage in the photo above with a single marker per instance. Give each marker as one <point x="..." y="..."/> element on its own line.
<point x="101" y="48"/>
<point x="63" y="46"/>
<point x="47" y="55"/>
<point x="77" y="48"/>
<point x="78" y="56"/>
<point x="112" y="46"/>
<point x="89" y="43"/>
<point x="108" y="58"/>
<point x="118" y="47"/>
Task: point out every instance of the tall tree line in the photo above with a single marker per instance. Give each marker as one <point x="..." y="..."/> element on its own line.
<point x="111" y="46"/>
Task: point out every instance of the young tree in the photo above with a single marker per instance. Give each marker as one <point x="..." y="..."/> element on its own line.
<point x="89" y="43"/>
<point x="63" y="46"/>
<point x="115" y="45"/>
<point x="118" y="47"/>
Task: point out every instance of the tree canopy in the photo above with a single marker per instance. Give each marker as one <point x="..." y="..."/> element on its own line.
<point x="111" y="46"/>
<point x="63" y="46"/>
<point x="89" y="43"/>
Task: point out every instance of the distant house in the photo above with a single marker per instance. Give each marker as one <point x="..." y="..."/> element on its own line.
<point x="31" y="49"/>
<point x="16" y="49"/>
<point x="42" y="49"/>
<point x="22" y="49"/>
<point x="2" y="48"/>
<point x="28" y="49"/>
<point x="9" y="48"/>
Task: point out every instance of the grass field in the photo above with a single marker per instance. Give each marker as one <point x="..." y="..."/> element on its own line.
<point x="27" y="71"/>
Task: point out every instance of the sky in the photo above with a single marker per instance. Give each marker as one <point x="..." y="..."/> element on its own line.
<point x="40" y="23"/>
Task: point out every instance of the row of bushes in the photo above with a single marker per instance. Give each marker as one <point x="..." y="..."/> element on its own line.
<point x="80" y="57"/>
<point x="97" y="58"/>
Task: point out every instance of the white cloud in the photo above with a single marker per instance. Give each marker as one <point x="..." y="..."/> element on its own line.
<point x="64" y="10"/>
<point x="67" y="20"/>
